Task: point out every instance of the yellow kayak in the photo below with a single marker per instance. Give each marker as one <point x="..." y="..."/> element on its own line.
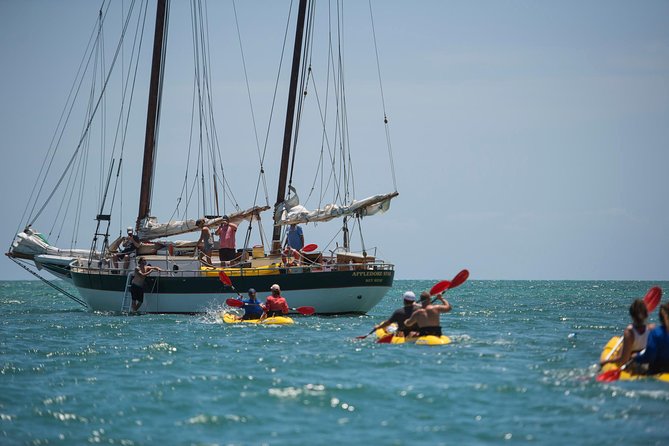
<point x="625" y="375"/>
<point x="230" y="318"/>
<point x="421" y="340"/>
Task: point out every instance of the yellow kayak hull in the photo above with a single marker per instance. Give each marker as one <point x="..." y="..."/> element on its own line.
<point x="421" y="340"/>
<point x="230" y="318"/>
<point x="624" y="375"/>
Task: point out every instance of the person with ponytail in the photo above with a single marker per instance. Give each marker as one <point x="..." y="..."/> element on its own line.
<point x="656" y="354"/>
<point x="635" y="336"/>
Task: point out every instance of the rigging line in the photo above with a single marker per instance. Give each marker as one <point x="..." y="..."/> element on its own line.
<point x="303" y="78"/>
<point x="124" y="124"/>
<point x="246" y="78"/>
<point x="87" y="128"/>
<point x="383" y="100"/>
<point x="54" y="147"/>
<point x="276" y="89"/>
<point x="49" y="283"/>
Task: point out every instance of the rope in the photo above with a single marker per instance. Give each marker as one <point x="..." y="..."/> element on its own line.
<point x="51" y="284"/>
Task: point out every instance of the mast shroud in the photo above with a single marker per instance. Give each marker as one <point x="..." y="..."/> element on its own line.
<point x="288" y="130"/>
<point x="153" y="112"/>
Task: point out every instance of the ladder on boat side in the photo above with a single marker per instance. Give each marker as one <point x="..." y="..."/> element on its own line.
<point x="127" y="296"/>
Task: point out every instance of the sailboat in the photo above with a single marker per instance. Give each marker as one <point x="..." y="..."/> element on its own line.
<point x="333" y="281"/>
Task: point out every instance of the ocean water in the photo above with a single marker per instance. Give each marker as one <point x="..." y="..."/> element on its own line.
<point x="521" y="370"/>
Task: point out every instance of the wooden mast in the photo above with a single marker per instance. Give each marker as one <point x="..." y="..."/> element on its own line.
<point x="288" y="131"/>
<point x="153" y="112"/>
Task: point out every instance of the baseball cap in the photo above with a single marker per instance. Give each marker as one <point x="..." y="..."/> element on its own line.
<point x="410" y="296"/>
<point x="275" y="287"/>
<point x="252" y="291"/>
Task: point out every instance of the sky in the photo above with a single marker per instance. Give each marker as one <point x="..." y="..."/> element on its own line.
<point x="530" y="140"/>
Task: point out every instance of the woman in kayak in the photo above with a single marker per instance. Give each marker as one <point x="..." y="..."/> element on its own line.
<point x="275" y="304"/>
<point x="656" y="354"/>
<point x="635" y="335"/>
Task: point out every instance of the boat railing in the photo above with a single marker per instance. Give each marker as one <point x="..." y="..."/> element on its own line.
<point x="171" y="268"/>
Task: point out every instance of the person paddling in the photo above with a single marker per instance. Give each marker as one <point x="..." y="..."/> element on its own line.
<point x="427" y="317"/>
<point x="402" y="314"/>
<point x="252" y="308"/>
<point x="635" y="335"/>
<point x="275" y="304"/>
<point x="656" y="354"/>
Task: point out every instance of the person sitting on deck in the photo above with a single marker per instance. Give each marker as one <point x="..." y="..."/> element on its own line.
<point x="129" y="246"/>
<point x="275" y="304"/>
<point x="252" y="308"/>
<point x="635" y="335"/>
<point x="427" y="317"/>
<point x="402" y="314"/>
<point x="656" y="354"/>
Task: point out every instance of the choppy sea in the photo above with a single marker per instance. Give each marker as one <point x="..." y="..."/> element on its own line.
<point x="521" y="369"/>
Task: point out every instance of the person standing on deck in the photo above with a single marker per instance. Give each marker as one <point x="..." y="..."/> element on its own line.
<point x="252" y="308"/>
<point x="402" y="314"/>
<point x="137" y="284"/>
<point x="275" y="304"/>
<point x="206" y="241"/>
<point x="427" y="317"/>
<point x="294" y="237"/>
<point x="226" y="231"/>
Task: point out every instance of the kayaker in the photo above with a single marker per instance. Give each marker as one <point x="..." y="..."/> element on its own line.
<point x="656" y="354"/>
<point x="275" y="304"/>
<point x="252" y="308"/>
<point x="427" y="317"/>
<point x="402" y="314"/>
<point x="635" y="335"/>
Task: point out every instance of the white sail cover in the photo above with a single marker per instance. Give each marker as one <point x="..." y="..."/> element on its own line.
<point x="295" y="213"/>
<point x="151" y="229"/>
<point x="30" y="243"/>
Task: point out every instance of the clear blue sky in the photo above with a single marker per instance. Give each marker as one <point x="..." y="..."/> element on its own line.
<point x="530" y="139"/>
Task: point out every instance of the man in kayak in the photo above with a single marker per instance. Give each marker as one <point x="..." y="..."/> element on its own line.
<point x="252" y="308"/>
<point x="275" y="304"/>
<point x="427" y="317"/>
<point x="402" y="314"/>
<point x="656" y="354"/>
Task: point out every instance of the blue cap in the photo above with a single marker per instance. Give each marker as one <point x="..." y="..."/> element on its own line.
<point x="252" y="291"/>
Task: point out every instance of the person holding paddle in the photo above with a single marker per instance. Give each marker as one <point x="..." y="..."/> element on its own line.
<point x="402" y="314"/>
<point x="635" y="335"/>
<point x="427" y="317"/>
<point x="252" y="308"/>
<point x="275" y="304"/>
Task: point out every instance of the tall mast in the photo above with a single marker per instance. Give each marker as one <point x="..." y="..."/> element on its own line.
<point x="288" y="131"/>
<point x="153" y="111"/>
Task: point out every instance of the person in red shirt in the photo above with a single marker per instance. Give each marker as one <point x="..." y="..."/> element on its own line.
<point x="226" y="232"/>
<point x="275" y="304"/>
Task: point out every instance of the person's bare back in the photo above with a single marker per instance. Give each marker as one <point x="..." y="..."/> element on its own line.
<point x="428" y="315"/>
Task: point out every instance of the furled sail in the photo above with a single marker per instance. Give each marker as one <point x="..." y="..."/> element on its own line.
<point x="294" y="213"/>
<point x="150" y="228"/>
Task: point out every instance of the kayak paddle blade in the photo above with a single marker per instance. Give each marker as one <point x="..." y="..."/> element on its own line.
<point x="224" y="278"/>
<point x="385" y="339"/>
<point x="234" y="303"/>
<point x="305" y="310"/>
<point x="460" y="278"/>
<point x="440" y="287"/>
<point x="652" y="298"/>
<point x="610" y="376"/>
<point x="309" y="248"/>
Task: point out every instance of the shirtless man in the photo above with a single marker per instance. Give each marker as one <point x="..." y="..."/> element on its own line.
<point x="137" y="284"/>
<point x="427" y="317"/>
